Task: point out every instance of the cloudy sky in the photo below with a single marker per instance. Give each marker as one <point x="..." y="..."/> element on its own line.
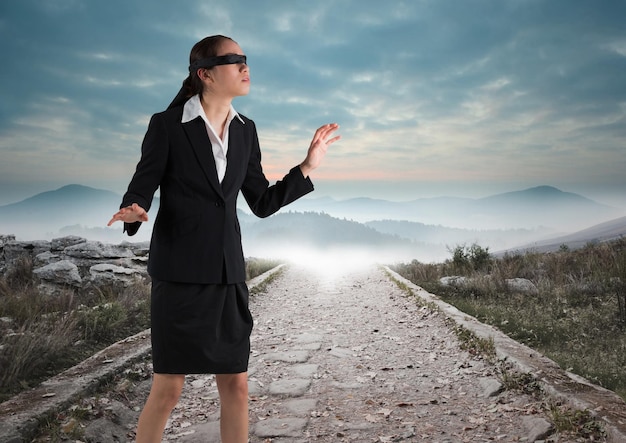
<point x="434" y="97"/>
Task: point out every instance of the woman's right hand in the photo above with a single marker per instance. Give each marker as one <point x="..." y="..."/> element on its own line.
<point x="130" y="214"/>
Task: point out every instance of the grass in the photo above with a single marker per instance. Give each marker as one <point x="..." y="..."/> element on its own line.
<point x="576" y="422"/>
<point x="576" y="316"/>
<point x="567" y="422"/>
<point x="262" y="286"/>
<point x="41" y="334"/>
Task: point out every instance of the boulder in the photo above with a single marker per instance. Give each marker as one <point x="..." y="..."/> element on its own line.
<point x="107" y="273"/>
<point x="63" y="272"/>
<point x="75" y="262"/>
<point x="97" y="250"/>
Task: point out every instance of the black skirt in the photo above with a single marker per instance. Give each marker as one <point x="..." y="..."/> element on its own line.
<point x="200" y="329"/>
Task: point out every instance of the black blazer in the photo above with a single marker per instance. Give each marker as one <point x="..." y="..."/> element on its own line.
<point x="196" y="236"/>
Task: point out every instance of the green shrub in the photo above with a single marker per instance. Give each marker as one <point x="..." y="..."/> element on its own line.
<point x="467" y="259"/>
<point x="100" y="323"/>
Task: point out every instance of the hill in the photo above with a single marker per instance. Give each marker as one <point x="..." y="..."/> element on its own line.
<point x="541" y="206"/>
<point x="607" y="231"/>
<point x="74" y="209"/>
<point x="449" y="237"/>
<point x="386" y="228"/>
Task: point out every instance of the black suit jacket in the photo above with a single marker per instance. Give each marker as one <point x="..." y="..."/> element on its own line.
<point x="196" y="236"/>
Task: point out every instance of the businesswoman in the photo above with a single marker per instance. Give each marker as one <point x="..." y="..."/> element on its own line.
<point x="201" y="153"/>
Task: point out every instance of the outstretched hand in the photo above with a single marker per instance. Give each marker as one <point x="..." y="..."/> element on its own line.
<point x="319" y="146"/>
<point x="130" y="214"/>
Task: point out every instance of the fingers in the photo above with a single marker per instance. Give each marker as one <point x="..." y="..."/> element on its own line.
<point x="129" y="214"/>
<point x="323" y="132"/>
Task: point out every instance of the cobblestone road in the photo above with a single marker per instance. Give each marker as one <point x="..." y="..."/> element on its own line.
<point x="351" y="358"/>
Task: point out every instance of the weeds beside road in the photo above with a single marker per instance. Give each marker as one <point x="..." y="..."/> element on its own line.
<point x="576" y="317"/>
<point x="42" y="335"/>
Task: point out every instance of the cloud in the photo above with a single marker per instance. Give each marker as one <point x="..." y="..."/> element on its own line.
<point x="478" y="90"/>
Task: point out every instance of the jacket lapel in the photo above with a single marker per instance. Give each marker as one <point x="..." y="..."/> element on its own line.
<point x="196" y="132"/>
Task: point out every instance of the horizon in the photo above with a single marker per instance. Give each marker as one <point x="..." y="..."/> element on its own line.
<point x="617" y="200"/>
<point x="434" y="99"/>
<point x="427" y="226"/>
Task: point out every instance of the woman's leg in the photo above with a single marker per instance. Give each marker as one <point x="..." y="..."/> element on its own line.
<point x="233" y="390"/>
<point x="164" y="395"/>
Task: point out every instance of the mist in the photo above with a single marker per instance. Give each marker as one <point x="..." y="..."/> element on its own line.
<point x="325" y="233"/>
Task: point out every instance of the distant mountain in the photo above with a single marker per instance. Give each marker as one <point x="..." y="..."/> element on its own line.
<point x="450" y="237"/>
<point x="602" y="232"/>
<point x="56" y="203"/>
<point x="44" y="215"/>
<point x="530" y="208"/>
<point x="288" y="233"/>
<point x="424" y="229"/>
<point x="367" y="209"/>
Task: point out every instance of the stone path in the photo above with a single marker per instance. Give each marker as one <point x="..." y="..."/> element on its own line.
<point x="350" y="358"/>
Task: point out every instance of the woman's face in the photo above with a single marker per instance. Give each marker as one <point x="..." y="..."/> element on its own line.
<point x="229" y="80"/>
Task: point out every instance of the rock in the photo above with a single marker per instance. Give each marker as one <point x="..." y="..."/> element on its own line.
<point x="454" y="280"/>
<point x="204" y="432"/>
<point x="280" y="427"/>
<point x="301" y="407"/>
<point x="46" y="258"/>
<point x="521" y="285"/>
<point x="515" y="284"/>
<point x="64" y="272"/>
<point x="121" y="415"/>
<point x="538" y="428"/>
<point x="288" y="356"/>
<point x="106" y="273"/>
<point x="103" y="430"/>
<point x="76" y="262"/>
<point x="13" y="250"/>
<point x="4" y="239"/>
<point x="59" y="244"/>
<point x="491" y="387"/>
<point x="97" y="250"/>
<point x="290" y="387"/>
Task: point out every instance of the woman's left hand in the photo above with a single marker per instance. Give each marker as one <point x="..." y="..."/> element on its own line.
<point x="319" y="146"/>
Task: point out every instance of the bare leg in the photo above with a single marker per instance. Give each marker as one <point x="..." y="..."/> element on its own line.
<point x="164" y="395"/>
<point x="233" y="390"/>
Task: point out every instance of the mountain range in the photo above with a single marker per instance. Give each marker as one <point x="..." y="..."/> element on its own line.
<point x="424" y="229"/>
<point x="530" y="208"/>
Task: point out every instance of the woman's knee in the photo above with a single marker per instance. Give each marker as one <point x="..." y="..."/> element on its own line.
<point x="166" y="390"/>
<point x="233" y="385"/>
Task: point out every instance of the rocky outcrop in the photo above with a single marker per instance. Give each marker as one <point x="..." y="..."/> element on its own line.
<point x="75" y="262"/>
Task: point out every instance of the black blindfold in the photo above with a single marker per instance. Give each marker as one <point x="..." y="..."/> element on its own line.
<point x="206" y="63"/>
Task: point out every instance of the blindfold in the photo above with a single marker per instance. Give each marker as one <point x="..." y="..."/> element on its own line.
<point x="206" y="63"/>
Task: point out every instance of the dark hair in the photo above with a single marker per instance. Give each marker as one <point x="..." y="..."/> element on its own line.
<point x="205" y="48"/>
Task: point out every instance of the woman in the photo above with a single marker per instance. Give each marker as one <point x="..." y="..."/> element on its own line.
<point x="201" y="153"/>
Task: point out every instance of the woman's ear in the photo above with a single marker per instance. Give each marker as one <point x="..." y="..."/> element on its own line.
<point x="203" y="74"/>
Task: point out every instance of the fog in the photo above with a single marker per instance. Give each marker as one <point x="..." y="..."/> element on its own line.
<point x="333" y="261"/>
<point x="338" y="235"/>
